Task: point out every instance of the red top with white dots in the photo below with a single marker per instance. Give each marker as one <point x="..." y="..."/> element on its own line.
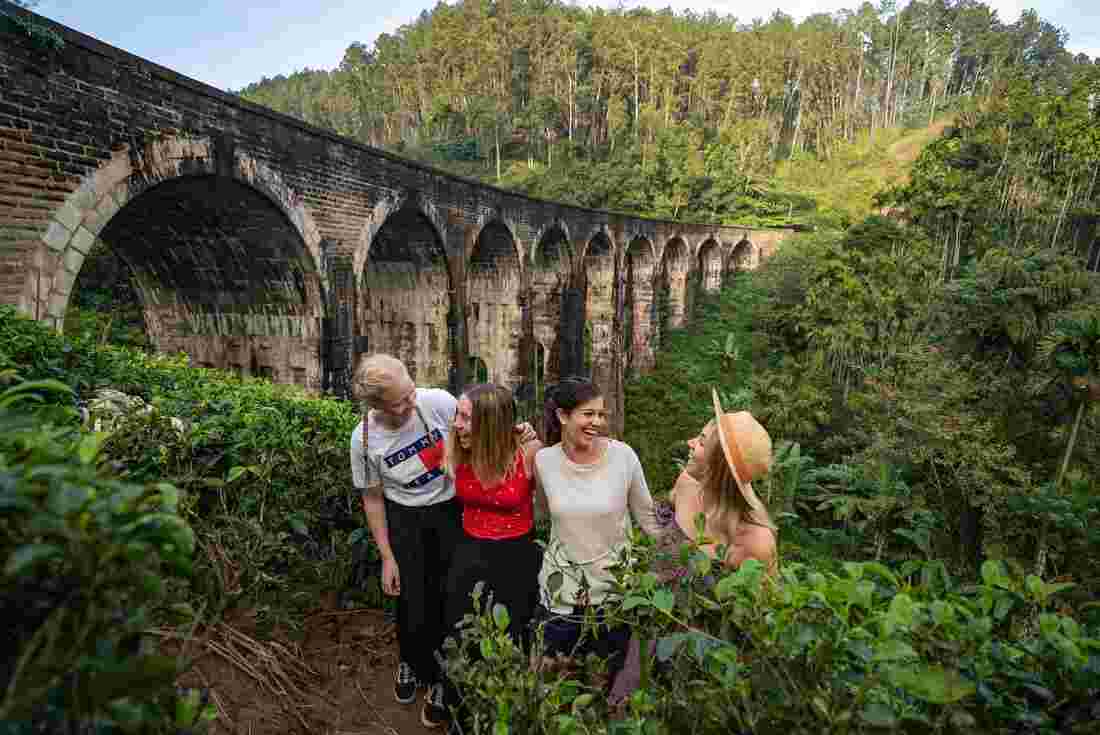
<point x="503" y="511"/>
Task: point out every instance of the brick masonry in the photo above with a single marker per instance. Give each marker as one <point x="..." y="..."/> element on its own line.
<point x="262" y="244"/>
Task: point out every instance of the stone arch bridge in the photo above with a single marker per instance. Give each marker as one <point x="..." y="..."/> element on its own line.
<point x="264" y="245"/>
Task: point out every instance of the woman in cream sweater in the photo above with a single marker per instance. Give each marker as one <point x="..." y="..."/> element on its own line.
<point x="592" y="486"/>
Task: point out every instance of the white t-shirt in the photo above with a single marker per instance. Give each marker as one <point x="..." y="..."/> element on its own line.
<point x="408" y="460"/>
<point x="589" y="507"/>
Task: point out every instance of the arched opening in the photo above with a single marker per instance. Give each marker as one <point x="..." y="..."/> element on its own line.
<point x="105" y="302"/>
<point x="710" y="267"/>
<point x="672" y="289"/>
<point x="406" y="306"/>
<point x="638" y="337"/>
<point x="494" y="318"/>
<point x="550" y="268"/>
<point x="222" y="275"/>
<point x="598" y="283"/>
<point x="741" y="257"/>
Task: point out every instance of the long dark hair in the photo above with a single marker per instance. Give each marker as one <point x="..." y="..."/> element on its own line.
<point x="566" y="395"/>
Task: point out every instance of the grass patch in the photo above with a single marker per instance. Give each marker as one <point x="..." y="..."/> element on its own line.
<point x="847" y="182"/>
<point x="666" y="407"/>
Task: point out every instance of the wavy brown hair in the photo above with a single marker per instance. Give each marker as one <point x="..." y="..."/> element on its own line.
<point x="493" y="445"/>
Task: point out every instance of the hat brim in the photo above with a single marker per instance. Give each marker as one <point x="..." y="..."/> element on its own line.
<point x="733" y="454"/>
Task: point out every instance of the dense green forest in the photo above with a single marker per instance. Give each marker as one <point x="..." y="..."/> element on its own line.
<point x="927" y="361"/>
<point x="659" y="113"/>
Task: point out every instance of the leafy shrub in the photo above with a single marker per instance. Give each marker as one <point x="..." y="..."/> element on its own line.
<point x="86" y="561"/>
<point x="262" y="469"/>
<point x="865" y="648"/>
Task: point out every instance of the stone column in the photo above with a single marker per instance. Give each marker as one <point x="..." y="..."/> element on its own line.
<point x="338" y="337"/>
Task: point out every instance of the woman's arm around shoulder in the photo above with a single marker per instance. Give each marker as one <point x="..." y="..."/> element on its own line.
<point x="639" y="498"/>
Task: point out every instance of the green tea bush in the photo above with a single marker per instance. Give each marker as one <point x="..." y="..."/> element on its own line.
<point x="87" y="561"/>
<point x="862" y="648"/>
<point x="262" y="469"/>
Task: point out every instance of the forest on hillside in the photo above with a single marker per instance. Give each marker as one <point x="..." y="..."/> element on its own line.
<point x="926" y="360"/>
<point x="662" y="113"/>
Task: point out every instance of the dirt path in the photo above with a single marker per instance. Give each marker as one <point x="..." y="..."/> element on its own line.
<point x="336" y="681"/>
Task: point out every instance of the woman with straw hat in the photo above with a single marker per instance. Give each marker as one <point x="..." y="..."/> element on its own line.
<point x="730" y="452"/>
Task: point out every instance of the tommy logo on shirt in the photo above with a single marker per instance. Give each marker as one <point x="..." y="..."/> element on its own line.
<point x="429" y="450"/>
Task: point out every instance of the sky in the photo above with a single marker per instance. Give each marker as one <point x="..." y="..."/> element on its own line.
<point x="231" y="43"/>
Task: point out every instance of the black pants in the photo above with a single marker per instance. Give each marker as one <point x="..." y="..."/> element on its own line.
<point x="423" y="540"/>
<point x="563" y="632"/>
<point x="509" y="569"/>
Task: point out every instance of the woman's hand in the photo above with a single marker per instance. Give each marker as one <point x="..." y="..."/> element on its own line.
<point x="391" y="577"/>
<point x="526" y="432"/>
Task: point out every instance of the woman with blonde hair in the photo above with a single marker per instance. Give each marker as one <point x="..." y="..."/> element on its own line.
<point x="714" y="490"/>
<point x="730" y="453"/>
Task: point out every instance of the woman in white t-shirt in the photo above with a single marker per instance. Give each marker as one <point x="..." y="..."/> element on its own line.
<point x="591" y="485"/>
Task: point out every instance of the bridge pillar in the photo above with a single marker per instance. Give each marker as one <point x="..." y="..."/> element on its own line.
<point x="460" y="239"/>
<point x="339" y="346"/>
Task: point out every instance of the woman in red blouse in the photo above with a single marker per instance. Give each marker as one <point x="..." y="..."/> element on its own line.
<point x="495" y="485"/>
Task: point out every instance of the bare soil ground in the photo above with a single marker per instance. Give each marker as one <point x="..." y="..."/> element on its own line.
<point x="338" y="680"/>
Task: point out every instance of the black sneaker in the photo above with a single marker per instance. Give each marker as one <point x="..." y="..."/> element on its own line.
<point x="434" y="713"/>
<point x="404" y="684"/>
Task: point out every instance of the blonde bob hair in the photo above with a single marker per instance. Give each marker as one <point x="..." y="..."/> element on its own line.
<point x="493" y="446"/>
<point x="374" y="374"/>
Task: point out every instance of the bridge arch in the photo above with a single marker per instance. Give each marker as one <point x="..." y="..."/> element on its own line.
<point x="742" y="256"/>
<point x="639" y="336"/>
<point x="406" y="306"/>
<point x="709" y="266"/>
<point x="672" y="284"/>
<point x="596" y="283"/>
<point x="494" y="297"/>
<point x="551" y="268"/>
<point x="78" y="222"/>
<point x="224" y="256"/>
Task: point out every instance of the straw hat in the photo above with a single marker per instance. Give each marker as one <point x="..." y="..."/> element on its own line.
<point x="747" y="447"/>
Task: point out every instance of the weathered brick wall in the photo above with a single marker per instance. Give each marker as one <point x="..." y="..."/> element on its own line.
<point x="280" y="249"/>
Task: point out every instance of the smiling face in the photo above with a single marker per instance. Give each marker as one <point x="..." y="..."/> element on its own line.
<point x="697" y="451"/>
<point x="582" y="426"/>
<point x="397" y="402"/>
<point x="464" y="422"/>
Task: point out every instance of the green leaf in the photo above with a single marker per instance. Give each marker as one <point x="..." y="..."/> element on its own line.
<point x="993" y="574"/>
<point x="726" y="587"/>
<point x="88" y="449"/>
<point x="893" y="650"/>
<point x="500" y="617"/>
<point x="554" y="582"/>
<point x="634" y="601"/>
<point x="487" y="648"/>
<point x="668" y="645"/>
<point x="933" y="684"/>
<point x="664" y="600"/>
<point x="28" y="556"/>
<point x="876" y="714"/>
<point x="234" y="473"/>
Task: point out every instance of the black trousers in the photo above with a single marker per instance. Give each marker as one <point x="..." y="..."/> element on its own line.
<point x="423" y="540"/>
<point x="509" y="569"/>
